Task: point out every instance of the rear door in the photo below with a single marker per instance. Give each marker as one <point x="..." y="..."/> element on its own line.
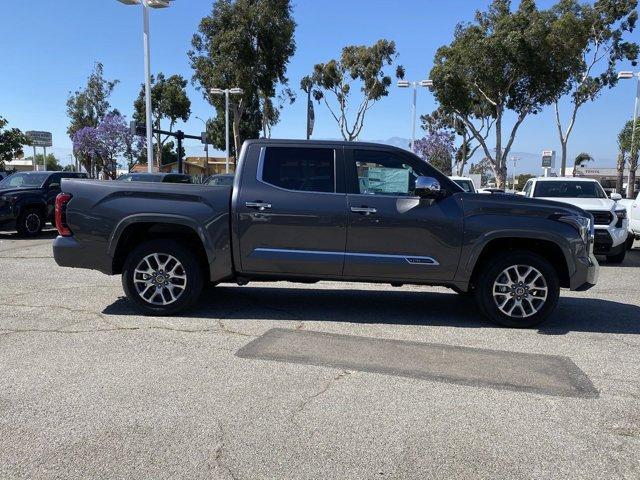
<point x="392" y="233"/>
<point x="292" y="210"/>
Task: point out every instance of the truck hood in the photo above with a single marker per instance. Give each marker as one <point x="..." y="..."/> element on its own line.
<point x="597" y="204"/>
<point x="517" y="205"/>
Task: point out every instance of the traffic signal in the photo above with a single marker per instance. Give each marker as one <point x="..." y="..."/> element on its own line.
<point x="137" y="128"/>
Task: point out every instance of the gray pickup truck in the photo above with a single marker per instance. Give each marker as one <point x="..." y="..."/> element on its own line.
<point x="315" y="210"/>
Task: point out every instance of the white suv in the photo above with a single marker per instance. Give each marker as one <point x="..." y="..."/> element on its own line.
<point x="610" y="219"/>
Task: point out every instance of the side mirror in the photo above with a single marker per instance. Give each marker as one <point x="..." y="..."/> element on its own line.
<point x="615" y="196"/>
<point x="428" y="187"/>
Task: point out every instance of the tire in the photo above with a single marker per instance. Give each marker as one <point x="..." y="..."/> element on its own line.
<point x="175" y="278"/>
<point x="618" y="258"/>
<point x="30" y="223"/>
<point x="630" y="240"/>
<point x="520" y="307"/>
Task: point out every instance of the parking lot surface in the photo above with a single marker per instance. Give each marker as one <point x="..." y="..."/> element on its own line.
<point x="89" y="389"/>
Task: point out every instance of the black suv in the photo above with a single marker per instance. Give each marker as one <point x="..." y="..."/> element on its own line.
<point x="27" y="200"/>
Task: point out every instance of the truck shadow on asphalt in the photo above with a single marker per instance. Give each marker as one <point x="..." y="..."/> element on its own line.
<point x="392" y="308"/>
<point x="632" y="259"/>
<point x="47" y="234"/>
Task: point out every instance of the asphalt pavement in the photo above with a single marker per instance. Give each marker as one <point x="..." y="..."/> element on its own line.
<point x="90" y="389"/>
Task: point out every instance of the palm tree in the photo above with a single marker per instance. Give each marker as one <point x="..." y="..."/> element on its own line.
<point x="580" y="160"/>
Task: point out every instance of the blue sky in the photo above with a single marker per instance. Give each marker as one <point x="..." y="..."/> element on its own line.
<point x="51" y="47"/>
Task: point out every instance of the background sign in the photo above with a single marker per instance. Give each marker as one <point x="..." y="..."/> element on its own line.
<point x="40" y="139"/>
<point x="548" y="159"/>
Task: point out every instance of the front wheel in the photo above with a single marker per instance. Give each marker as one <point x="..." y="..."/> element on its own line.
<point x="618" y="258"/>
<point x="517" y="289"/>
<point x="161" y="277"/>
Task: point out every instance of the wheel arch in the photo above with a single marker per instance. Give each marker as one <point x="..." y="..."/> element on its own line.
<point x="136" y="229"/>
<point x="547" y="248"/>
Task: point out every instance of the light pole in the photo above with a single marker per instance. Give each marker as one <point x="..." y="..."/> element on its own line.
<point x="407" y="84"/>
<point x="146" y="4"/>
<point x="226" y="92"/>
<point x="627" y="75"/>
<point x="514" y="159"/>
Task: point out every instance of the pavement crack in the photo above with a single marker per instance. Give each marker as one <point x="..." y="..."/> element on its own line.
<point x="226" y="329"/>
<point x="218" y="454"/>
<point x="306" y="401"/>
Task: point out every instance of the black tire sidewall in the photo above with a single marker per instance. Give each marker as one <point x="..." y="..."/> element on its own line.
<point x="495" y="266"/>
<point x="618" y="258"/>
<point x="21" y="225"/>
<point x="191" y="267"/>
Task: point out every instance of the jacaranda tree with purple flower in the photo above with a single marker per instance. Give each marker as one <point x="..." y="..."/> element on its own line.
<point x="437" y="149"/>
<point x="104" y="144"/>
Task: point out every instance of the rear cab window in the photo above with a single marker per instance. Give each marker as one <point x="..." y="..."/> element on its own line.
<point x="299" y="169"/>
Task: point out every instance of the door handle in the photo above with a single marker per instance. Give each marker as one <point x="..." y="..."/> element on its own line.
<point x="258" y="205"/>
<point x="364" y="210"/>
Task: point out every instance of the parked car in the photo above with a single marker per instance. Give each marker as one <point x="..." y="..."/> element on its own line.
<point x="465" y="183"/>
<point x="27" y="200"/>
<point x="633" y="212"/>
<point x="221" y="179"/>
<point x="320" y="210"/>
<point x="610" y="218"/>
<point x="156" y="177"/>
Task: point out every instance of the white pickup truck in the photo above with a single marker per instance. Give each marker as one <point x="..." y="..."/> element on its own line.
<point x="633" y="212"/>
<point x="610" y="217"/>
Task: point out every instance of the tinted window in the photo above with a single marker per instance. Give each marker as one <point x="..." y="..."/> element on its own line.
<point x="220" y="180"/>
<point x="382" y="173"/>
<point x="140" y="177"/>
<point x="466" y="185"/>
<point x="177" y="179"/>
<point x="24" y="180"/>
<point x="303" y="169"/>
<point x="568" y="189"/>
<point x="527" y="188"/>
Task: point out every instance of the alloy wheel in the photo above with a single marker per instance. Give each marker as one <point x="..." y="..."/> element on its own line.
<point x="520" y="291"/>
<point x="160" y="279"/>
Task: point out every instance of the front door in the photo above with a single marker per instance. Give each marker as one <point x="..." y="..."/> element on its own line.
<point x="292" y="211"/>
<point x="393" y="234"/>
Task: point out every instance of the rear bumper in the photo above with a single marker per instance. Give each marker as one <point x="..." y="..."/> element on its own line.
<point x="68" y="252"/>
<point x="586" y="274"/>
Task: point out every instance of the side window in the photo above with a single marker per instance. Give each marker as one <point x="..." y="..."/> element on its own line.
<point x="54" y="180"/>
<point x="527" y="188"/>
<point x="301" y="169"/>
<point x="382" y="173"/>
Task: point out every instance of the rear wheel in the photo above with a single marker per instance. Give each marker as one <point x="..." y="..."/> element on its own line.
<point x="30" y="222"/>
<point x="517" y="289"/>
<point x="161" y="277"/>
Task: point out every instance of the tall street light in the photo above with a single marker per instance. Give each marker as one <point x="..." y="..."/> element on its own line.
<point x="146" y="4"/>
<point x="226" y="92"/>
<point x="415" y="85"/>
<point x="627" y="75"/>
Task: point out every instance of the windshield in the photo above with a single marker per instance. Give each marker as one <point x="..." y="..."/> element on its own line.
<point x="560" y="189"/>
<point x="18" y="180"/>
<point x="466" y="185"/>
<point x="221" y="180"/>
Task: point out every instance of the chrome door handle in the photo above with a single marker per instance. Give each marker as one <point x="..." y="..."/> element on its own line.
<point x="364" y="210"/>
<point x="258" y="205"/>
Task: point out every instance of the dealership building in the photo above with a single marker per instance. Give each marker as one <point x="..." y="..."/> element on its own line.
<point x="606" y="176"/>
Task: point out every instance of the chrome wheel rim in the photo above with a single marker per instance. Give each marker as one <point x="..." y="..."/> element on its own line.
<point x="32" y="222"/>
<point x="520" y="291"/>
<point x="160" y="279"/>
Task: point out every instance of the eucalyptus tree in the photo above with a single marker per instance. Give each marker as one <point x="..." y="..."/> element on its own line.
<point x="499" y="63"/>
<point x="245" y="44"/>
<point x="596" y="33"/>
<point x="334" y="83"/>
<point x="11" y="142"/>
<point x="169" y="101"/>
